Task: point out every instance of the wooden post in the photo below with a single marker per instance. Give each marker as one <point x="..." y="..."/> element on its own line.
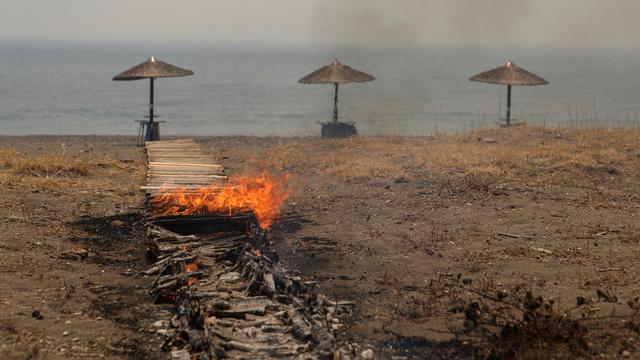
<point x="335" y="104"/>
<point x="508" y="105"/>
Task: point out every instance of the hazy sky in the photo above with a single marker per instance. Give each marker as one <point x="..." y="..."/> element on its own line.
<point x="565" y="23"/>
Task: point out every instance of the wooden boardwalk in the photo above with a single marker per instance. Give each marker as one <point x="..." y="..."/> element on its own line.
<point x="178" y="165"/>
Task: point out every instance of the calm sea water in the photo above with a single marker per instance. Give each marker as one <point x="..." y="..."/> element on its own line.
<point x="67" y="89"/>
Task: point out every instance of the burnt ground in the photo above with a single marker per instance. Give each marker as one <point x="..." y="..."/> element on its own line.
<point x="408" y="228"/>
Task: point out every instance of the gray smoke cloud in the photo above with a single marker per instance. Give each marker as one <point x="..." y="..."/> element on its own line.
<point x="573" y="23"/>
<point x="376" y="23"/>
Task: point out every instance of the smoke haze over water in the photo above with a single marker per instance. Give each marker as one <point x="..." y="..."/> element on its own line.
<point x="373" y="23"/>
<point x="496" y="23"/>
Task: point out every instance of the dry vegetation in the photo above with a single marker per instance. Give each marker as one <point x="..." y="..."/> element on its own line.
<point x="41" y="172"/>
<point x="477" y="160"/>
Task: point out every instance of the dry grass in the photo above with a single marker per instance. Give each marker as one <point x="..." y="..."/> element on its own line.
<point x="43" y="166"/>
<point x="38" y="173"/>
<point x="483" y="157"/>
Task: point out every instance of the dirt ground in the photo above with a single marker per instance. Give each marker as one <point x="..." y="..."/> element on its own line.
<point x="388" y="222"/>
<point x="47" y="221"/>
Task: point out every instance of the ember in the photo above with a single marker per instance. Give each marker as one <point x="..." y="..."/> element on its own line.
<point x="263" y="195"/>
<point x="191" y="267"/>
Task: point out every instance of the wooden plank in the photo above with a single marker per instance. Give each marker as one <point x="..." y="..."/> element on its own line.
<point x="181" y="159"/>
<point x="151" y="144"/>
<point x="187" y="170"/>
<point x="180" y="166"/>
<point x="178" y="157"/>
<point x="174" y="148"/>
<point x="166" y="189"/>
<point x="179" y="150"/>
<point x="186" y="176"/>
<point x="186" y="181"/>
<point x="177" y="172"/>
<point x="204" y="182"/>
<point x="183" y="164"/>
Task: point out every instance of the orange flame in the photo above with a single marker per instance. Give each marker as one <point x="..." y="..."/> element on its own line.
<point x="191" y="281"/>
<point x="261" y="194"/>
<point x="191" y="267"/>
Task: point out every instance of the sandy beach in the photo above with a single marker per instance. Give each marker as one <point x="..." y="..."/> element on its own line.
<point x="408" y="228"/>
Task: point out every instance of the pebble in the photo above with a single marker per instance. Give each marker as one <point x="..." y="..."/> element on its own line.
<point x="368" y="354"/>
<point x="37" y="314"/>
<point x="117" y="223"/>
<point x="625" y="354"/>
<point x="66" y="333"/>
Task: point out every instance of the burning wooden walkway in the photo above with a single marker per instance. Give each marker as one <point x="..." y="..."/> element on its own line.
<point x="231" y="298"/>
<point x="179" y="164"/>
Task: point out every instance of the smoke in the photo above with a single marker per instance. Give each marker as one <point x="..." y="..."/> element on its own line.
<point x="574" y="23"/>
<point x="361" y="22"/>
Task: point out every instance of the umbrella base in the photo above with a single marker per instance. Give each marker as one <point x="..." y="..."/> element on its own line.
<point x="503" y="123"/>
<point x="149" y="131"/>
<point x="338" y="130"/>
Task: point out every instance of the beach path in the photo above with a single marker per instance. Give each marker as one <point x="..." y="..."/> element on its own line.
<point x="179" y="165"/>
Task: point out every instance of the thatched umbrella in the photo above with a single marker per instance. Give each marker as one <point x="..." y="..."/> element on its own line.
<point x="511" y="75"/>
<point x="152" y="69"/>
<point x="336" y="74"/>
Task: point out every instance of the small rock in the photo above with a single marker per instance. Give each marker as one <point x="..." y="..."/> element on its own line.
<point x="625" y="354"/>
<point x="37" y="314"/>
<point x="368" y="354"/>
<point x="117" y="223"/>
<point x="66" y="333"/>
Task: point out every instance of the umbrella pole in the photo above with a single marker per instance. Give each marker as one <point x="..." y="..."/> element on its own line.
<point x="335" y="104"/>
<point x="508" y="105"/>
<point x="149" y="136"/>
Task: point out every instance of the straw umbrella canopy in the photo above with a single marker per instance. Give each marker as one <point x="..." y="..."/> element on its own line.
<point x="151" y="69"/>
<point x="509" y="74"/>
<point x="336" y="73"/>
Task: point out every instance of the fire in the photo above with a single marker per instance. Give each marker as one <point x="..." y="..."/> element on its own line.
<point x="263" y="195"/>
<point x="191" y="281"/>
<point x="191" y="267"/>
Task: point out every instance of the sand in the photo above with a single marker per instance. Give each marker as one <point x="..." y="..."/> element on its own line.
<point x="377" y="220"/>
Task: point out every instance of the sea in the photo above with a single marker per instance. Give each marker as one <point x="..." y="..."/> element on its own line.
<point x="66" y="88"/>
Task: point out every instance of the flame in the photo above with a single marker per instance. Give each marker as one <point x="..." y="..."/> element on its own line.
<point x="258" y="253"/>
<point x="191" y="267"/>
<point x="191" y="281"/>
<point x="263" y="195"/>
